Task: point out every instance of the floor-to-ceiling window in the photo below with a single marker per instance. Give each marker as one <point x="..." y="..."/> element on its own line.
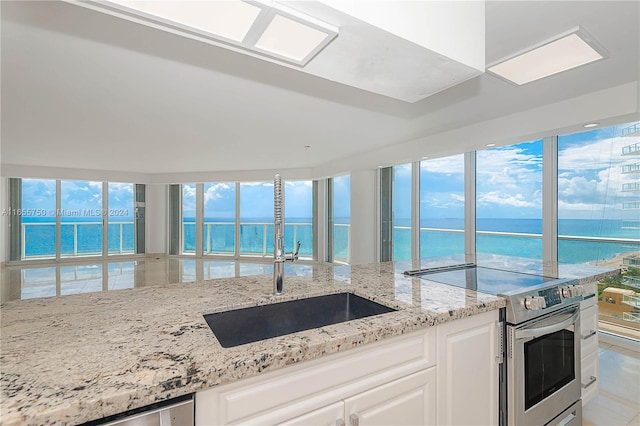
<point x="71" y="218"/>
<point x="256" y="218"/>
<point x="121" y="216"/>
<point x="599" y="216"/>
<point x="298" y="217"/>
<point x="37" y="237"/>
<point x="81" y="218"/>
<point x="236" y="219"/>
<point x="340" y="218"/>
<point x="188" y="204"/>
<point x="402" y="187"/>
<point x="442" y="206"/>
<point x="219" y="230"/>
<point x="509" y="200"/>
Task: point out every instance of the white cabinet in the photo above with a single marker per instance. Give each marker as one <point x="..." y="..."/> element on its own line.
<point x="467" y="370"/>
<point x="385" y="383"/>
<point x="589" y="343"/>
<point x="406" y="401"/>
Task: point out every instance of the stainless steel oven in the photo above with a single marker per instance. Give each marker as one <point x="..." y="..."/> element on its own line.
<point x="543" y="369"/>
<point x="540" y="380"/>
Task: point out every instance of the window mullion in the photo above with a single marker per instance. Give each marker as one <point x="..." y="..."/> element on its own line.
<point x="415" y="210"/>
<point x="470" y="206"/>
<point x="550" y="199"/>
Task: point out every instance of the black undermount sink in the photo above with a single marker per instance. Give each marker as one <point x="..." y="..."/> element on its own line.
<point x="240" y="326"/>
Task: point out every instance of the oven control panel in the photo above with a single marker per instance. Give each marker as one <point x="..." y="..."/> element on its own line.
<point x="551" y="296"/>
<point x="545" y="299"/>
<point x="571" y="291"/>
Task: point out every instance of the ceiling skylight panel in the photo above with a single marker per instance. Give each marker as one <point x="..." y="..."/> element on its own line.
<point x="289" y="38"/>
<point x="560" y="55"/>
<point x="231" y="19"/>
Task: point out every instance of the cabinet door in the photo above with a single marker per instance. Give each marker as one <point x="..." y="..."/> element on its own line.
<point x="330" y="415"/>
<point x="589" y="329"/>
<point x="468" y="390"/>
<point x="406" y="401"/>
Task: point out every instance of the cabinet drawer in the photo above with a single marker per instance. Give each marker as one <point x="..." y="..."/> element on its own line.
<point x="588" y="329"/>
<point x="589" y="376"/>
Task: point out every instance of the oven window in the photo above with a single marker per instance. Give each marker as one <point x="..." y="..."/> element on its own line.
<point x="548" y="365"/>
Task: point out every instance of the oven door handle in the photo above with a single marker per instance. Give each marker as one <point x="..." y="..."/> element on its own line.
<point x="529" y="333"/>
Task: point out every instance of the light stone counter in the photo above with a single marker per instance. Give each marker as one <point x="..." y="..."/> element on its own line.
<point x="71" y="359"/>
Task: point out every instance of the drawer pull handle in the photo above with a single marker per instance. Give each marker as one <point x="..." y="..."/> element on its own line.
<point x="592" y="380"/>
<point x="354" y="419"/>
<point x="591" y="334"/>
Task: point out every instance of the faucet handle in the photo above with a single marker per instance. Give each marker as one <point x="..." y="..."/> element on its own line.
<point x="294" y="255"/>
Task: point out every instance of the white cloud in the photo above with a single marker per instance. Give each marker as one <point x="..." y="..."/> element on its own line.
<point x="502" y="199"/>
<point x="447" y="165"/>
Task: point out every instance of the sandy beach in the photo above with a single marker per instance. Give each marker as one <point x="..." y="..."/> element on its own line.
<point x="616" y="262"/>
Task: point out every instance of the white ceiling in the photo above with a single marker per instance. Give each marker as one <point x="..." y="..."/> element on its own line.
<point x="84" y="90"/>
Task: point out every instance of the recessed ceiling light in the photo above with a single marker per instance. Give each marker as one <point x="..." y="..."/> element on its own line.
<point x="590" y="125"/>
<point x="425" y="158"/>
<point x="564" y="52"/>
<point x="491" y="144"/>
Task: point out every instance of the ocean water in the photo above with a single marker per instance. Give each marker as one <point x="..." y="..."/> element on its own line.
<point x="77" y="237"/>
<point x="256" y="237"/>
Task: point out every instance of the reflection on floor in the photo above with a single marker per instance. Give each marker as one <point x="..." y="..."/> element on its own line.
<point x="619" y="400"/>
<point x="27" y="282"/>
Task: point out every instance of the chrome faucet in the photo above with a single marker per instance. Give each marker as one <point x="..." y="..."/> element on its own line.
<point x="279" y="256"/>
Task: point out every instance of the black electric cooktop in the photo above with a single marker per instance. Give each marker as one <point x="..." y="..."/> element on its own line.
<point x="482" y="279"/>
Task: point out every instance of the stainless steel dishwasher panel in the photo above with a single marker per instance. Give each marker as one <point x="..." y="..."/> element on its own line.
<point x="179" y="414"/>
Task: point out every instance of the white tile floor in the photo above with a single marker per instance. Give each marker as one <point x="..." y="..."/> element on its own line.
<point x="618" y="402"/>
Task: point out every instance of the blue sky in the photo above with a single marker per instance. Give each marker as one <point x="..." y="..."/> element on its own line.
<point x="256" y="200"/>
<point x="76" y="196"/>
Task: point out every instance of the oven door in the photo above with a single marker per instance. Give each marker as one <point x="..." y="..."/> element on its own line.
<point x="543" y="368"/>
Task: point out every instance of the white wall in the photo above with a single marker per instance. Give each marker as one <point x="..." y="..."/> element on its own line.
<point x="363" y="217"/>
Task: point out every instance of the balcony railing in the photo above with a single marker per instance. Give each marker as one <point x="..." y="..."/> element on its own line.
<point x="631" y="168"/>
<point x="256" y="238"/>
<point x="631" y="317"/>
<point x="631" y="261"/>
<point x="631" y="130"/>
<point x="631" y="300"/>
<point x="633" y="149"/>
<point x="77" y="239"/>
<point x="633" y="186"/>
<point x="632" y="205"/>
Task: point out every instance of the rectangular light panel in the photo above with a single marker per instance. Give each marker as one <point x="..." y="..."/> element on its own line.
<point x="289" y="38"/>
<point x="230" y="19"/>
<point x="560" y="55"/>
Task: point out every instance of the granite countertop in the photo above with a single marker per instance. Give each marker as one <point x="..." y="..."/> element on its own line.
<point x="71" y="359"/>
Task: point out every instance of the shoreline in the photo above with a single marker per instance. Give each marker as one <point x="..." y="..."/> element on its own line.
<point x="616" y="262"/>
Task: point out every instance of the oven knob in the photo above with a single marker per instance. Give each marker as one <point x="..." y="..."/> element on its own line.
<point x="534" y="303"/>
<point x="572" y="291"/>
